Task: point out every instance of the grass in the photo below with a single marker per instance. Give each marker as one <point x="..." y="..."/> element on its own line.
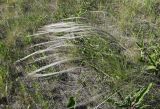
<point x="130" y="59"/>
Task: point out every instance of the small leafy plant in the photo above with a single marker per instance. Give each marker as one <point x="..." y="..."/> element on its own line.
<point x="71" y="103"/>
<point x="151" y="57"/>
<point x="134" y="100"/>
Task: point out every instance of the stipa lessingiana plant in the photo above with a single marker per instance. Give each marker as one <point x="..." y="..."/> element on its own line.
<point x="60" y="45"/>
<point x="78" y="54"/>
<point x="55" y="51"/>
<point x="59" y="36"/>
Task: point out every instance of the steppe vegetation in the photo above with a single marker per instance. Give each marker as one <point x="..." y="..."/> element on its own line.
<point x="111" y="50"/>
